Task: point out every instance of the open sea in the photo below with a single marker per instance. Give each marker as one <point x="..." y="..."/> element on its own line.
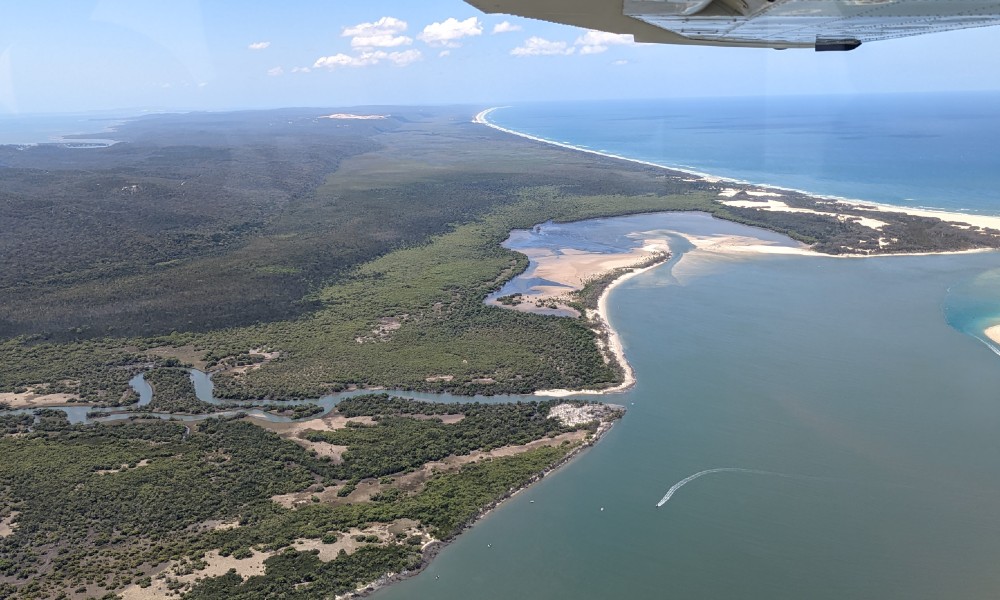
<point x="930" y="150"/>
<point x="29" y="130"/>
<point x="811" y="427"/>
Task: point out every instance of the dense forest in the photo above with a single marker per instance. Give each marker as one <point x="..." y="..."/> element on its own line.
<point x="95" y="509"/>
<point x="360" y="250"/>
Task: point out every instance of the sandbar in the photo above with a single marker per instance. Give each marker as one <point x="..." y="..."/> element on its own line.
<point x="993" y="333"/>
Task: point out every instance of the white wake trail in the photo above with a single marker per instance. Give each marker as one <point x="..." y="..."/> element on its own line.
<point x="673" y="489"/>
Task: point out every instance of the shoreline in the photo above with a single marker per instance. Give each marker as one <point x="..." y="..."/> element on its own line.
<point x="973" y="219"/>
<point x="614" y="344"/>
<point x="431" y="550"/>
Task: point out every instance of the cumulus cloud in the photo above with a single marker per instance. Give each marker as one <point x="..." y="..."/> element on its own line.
<point x="619" y="63"/>
<point x="384" y="33"/>
<point x="448" y="32"/>
<point x="505" y="27"/>
<point x="444" y="53"/>
<point x="275" y="71"/>
<point x="259" y="45"/>
<point x="366" y="59"/>
<point x="536" y="46"/>
<point x="595" y="42"/>
<point x="300" y="69"/>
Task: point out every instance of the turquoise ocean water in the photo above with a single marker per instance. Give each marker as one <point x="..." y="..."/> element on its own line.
<point x="845" y="413"/>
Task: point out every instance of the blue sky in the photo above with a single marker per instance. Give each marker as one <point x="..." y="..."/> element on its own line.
<point x="75" y="55"/>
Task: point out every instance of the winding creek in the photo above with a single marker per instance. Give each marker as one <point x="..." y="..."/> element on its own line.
<point x="204" y="390"/>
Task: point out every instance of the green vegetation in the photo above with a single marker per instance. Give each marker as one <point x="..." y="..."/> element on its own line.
<point x="399" y="443"/>
<point x="173" y="392"/>
<point x="360" y="253"/>
<point x="105" y="506"/>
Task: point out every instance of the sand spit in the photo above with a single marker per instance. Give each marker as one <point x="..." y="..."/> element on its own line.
<point x="993" y="333"/>
<point x="613" y="348"/>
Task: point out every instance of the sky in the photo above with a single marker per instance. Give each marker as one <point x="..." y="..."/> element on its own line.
<point x="62" y="56"/>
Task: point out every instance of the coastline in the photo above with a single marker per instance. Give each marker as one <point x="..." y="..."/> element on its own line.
<point x="735" y="246"/>
<point x="975" y="220"/>
<point x="614" y="344"/>
<point x="430" y="551"/>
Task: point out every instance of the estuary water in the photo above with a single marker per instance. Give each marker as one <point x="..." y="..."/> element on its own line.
<point x="810" y="427"/>
<point x="849" y="431"/>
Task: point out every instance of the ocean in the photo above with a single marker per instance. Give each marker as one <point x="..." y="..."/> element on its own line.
<point x="828" y="427"/>
<point x="27" y="130"/>
<point x="922" y="150"/>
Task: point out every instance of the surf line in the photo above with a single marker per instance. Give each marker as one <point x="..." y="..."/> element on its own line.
<point x="673" y="489"/>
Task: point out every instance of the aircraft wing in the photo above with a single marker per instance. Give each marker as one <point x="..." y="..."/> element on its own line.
<point x="819" y="24"/>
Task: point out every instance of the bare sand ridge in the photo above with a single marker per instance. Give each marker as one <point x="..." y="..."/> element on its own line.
<point x="36" y="399"/>
<point x="7" y="525"/>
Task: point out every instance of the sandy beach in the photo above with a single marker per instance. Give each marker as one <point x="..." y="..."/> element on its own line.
<point x="568" y="268"/>
<point x="993" y="333"/>
<point x="767" y="190"/>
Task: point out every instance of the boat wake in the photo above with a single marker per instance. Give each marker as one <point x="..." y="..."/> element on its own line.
<point x="673" y="489"/>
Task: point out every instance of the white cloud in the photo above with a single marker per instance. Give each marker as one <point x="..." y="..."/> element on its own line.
<point x="276" y="71"/>
<point x="401" y="59"/>
<point x="595" y="42"/>
<point x="300" y="69"/>
<point x="619" y="63"/>
<point x="366" y="59"/>
<point x="448" y="32"/>
<point x="444" y="53"/>
<point x="259" y="45"/>
<point x="536" y="46"/>
<point x="384" y="33"/>
<point x="505" y="27"/>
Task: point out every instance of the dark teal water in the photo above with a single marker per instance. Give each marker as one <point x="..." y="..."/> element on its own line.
<point x="934" y="150"/>
<point x="842" y="377"/>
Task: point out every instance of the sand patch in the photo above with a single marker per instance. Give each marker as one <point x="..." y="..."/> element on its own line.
<point x="572" y="415"/>
<point x="186" y="354"/>
<point x="125" y="467"/>
<point x="993" y="333"/>
<point x="778" y="206"/>
<point x="984" y="221"/>
<point x="330" y="422"/>
<point x="36" y="397"/>
<point x="363" y="492"/>
<point x="7" y="525"/>
<point x="347" y="541"/>
<point x="353" y="117"/>
<point x="217" y="565"/>
<point x="569" y="269"/>
<point x="435" y="378"/>
<point x="414" y="481"/>
<point x="731" y="192"/>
